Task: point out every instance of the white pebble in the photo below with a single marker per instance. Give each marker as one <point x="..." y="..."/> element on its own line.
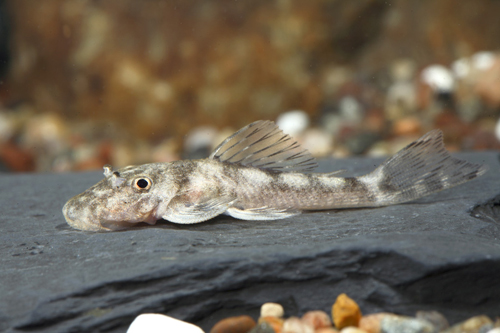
<point x="293" y="122"/>
<point x="272" y="310"/>
<point x="158" y="323"/>
<point x="483" y="60"/>
<point x="439" y="78"/>
<point x="495" y="330"/>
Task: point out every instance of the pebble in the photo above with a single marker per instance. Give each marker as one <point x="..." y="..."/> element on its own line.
<point x="399" y="324"/>
<point x="326" y="330"/>
<point x="345" y="312"/>
<point x="438" y="78"/>
<point x="158" y="323"/>
<point x="471" y="325"/>
<point x="407" y="126"/>
<point x="495" y="330"/>
<point x="371" y="323"/>
<point x="351" y="329"/>
<point x="317" y="319"/>
<point x="488" y="84"/>
<point x="240" y="324"/>
<point x="317" y="142"/>
<point x="293" y="123"/>
<point x="263" y="327"/>
<point x="435" y="318"/>
<point x="296" y="325"/>
<point x="275" y="322"/>
<point x="272" y="310"/>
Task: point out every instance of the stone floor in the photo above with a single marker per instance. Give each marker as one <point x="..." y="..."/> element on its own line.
<point x="430" y="254"/>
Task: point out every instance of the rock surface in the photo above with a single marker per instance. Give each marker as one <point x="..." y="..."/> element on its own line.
<point x="427" y="255"/>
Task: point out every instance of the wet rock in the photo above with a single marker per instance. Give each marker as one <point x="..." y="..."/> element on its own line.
<point x="240" y="324"/>
<point x="272" y="310"/>
<point x="345" y="312"/>
<point x="158" y="323"/>
<point x="398" y="259"/>
<point x="317" y="319"/>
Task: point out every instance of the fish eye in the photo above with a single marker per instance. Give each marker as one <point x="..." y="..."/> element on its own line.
<point x="142" y="184"/>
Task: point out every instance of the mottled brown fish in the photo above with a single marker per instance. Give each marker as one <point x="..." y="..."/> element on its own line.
<point x="257" y="174"/>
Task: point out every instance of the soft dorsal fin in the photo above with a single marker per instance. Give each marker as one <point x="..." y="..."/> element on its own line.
<point x="263" y="145"/>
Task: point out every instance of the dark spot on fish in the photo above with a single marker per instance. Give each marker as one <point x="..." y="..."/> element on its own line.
<point x="386" y="184"/>
<point x="353" y="185"/>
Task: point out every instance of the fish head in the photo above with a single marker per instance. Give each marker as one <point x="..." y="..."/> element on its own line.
<point x="124" y="197"/>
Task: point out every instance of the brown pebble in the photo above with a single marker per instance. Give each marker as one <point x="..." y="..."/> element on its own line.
<point x="407" y="126"/>
<point x="275" y="322"/>
<point x="371" y="323"/>
<point x="345" y="312"/>
<point x="16" y="158"/>
<point x="240" y="324"/>
<point x="317" y="319"/>
<point x="471" y="325"/>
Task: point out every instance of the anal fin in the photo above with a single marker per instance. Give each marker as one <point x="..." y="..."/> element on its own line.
<point x="261" y="213"/>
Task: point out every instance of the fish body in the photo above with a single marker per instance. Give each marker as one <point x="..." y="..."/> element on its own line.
<point x="260" y="173"/>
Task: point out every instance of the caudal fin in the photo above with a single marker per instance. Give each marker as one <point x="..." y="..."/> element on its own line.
<point x="421" y="168"/>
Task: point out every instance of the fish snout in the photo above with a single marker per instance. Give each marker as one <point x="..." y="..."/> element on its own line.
<point x="79" y="215"/>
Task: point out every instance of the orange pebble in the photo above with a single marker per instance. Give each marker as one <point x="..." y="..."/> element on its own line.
<point x="407" y="126"/>
<point x="345" y="312"/>
<point x="240" y="324"/>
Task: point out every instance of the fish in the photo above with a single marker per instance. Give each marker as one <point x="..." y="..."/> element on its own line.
<point x="260" y="173"/>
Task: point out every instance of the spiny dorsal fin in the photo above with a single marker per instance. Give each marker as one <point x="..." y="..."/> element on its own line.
<point x="263" y="145"/>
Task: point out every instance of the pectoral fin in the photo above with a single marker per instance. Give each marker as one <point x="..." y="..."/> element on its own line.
<point x="185" y="212"/>
<point x="262" y="213"/>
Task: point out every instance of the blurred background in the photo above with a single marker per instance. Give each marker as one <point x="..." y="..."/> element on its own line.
<point x="85" y="82"/>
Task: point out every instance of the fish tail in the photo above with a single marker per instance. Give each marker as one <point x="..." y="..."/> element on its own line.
<point x="421" y="168"/>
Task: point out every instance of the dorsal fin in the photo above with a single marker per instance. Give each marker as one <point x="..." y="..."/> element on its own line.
<point x="263" y="145"/>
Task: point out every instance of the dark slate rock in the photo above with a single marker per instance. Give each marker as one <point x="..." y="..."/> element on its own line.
<point x="431" y="254"/>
